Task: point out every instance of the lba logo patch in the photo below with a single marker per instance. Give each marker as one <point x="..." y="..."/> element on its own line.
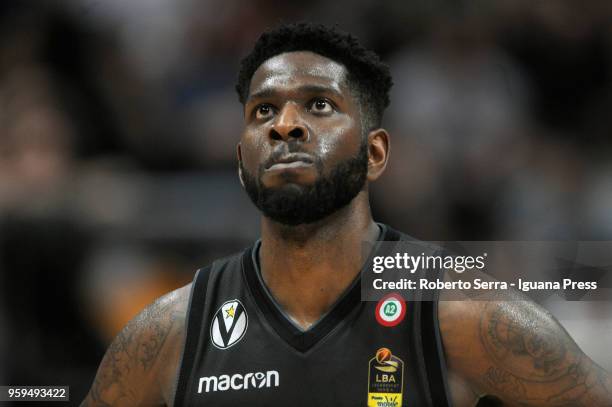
<point x="391" y="310"/>
<point x="385" y="379"/>
<point x="229" y="324"/>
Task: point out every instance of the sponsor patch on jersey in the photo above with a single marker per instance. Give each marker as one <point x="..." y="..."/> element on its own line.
<point x="391" y="310"/>
<point x="229" y="324"/>
<point x="225" y="382"/>
<point x="385" y="379"/>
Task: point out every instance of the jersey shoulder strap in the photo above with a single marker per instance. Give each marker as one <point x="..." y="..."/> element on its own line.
<point x="194" y="316"/>
<point x="431" y="340"/>
<point x="435" y="362"/>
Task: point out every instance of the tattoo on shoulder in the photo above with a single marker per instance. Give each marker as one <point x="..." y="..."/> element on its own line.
<point x="502" y="380"/>
<point x="534" y="360"/>
<point x="150" y="344"/>
<point x="534" y="354"/>
<point x="132" y="354"/>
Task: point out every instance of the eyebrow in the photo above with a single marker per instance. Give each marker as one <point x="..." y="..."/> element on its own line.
<point x="271" y="92"/>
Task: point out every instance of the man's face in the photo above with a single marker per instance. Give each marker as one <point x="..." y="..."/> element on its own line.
<point x="302" y="154"/>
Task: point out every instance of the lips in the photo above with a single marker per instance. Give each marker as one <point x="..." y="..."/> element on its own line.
<point x="294" y="160"/>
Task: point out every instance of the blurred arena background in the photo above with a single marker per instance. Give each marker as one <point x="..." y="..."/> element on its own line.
<point x="118" y="126"/>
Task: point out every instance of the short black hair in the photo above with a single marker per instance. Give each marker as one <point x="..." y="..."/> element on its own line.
<point x="367" y="74"/>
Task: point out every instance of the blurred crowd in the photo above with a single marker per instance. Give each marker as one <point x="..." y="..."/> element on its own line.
<point x="119" y="120"/>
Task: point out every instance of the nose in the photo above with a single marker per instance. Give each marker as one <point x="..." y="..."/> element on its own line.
<point x="288" y="125"/>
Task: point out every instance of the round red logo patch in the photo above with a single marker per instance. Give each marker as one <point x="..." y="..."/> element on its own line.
<point x="391" y="310"/>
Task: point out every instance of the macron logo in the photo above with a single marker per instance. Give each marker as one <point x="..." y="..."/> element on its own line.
<point x="237" y="381"/>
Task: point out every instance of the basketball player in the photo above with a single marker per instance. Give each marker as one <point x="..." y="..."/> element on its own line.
<point x="282" y="324"/>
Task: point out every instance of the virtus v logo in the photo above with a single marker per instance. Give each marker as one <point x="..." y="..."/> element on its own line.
<point x="229" y="324"/>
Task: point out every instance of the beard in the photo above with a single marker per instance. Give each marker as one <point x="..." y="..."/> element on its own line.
<point x="302" y="204"/>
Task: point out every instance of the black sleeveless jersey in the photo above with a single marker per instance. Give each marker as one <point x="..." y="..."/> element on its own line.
<point x="242" y="350"/>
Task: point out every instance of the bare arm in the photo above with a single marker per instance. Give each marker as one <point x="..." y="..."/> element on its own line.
<point x="140" y="365"/>
<point x="518" y="352"/>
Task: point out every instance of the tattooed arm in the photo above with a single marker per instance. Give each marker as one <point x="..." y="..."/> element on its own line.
<point x="518" y="352"/>
<point x="140" y="366"/>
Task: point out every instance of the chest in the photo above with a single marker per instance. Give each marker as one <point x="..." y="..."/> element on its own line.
<point x="241" y="349"/>
<point x="244" y="359"/>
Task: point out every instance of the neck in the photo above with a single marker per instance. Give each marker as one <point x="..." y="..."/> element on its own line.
<point x="308" y="267"/>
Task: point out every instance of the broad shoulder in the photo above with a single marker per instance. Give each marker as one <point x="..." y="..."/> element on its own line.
<point x="475" y="331"/>
<point x="515" y="350"/>
<point x="140" y="366"/>
<point x="172" y="320"/>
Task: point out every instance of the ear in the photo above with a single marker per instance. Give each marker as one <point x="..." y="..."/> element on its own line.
<point x="378" y="153"/>
<point x="239" y="157"/>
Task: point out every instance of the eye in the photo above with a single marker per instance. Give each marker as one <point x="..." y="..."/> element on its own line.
<point x="321" y="105"/>
<point x="263" y="111"/>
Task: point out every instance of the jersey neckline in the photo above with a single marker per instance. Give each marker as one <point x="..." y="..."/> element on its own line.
<point x="304" y="340"/>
